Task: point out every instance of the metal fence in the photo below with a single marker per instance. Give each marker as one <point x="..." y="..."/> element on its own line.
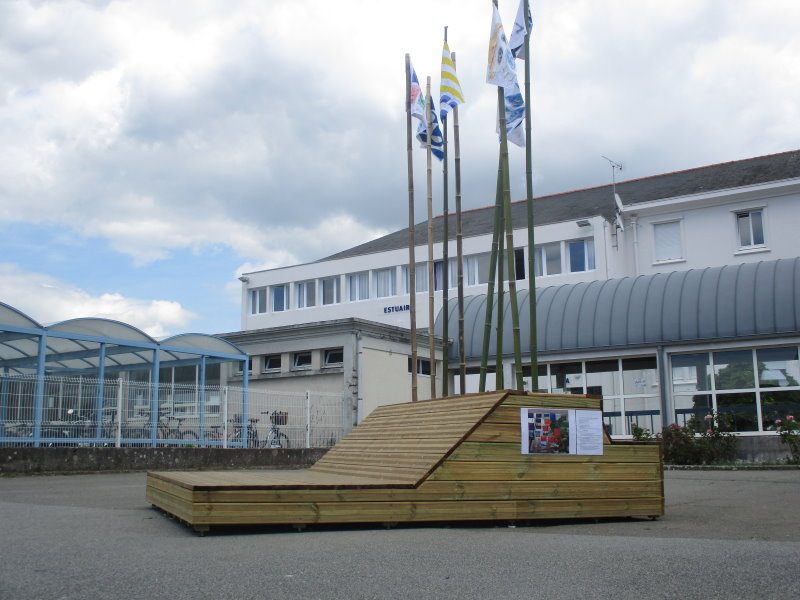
<point x="63" y="411"/>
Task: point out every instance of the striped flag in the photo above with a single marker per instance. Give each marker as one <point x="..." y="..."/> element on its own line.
<point x="450" y="94"/>
<point x="437" y="140"/>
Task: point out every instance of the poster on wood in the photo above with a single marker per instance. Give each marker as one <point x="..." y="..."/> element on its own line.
<point x="561" y="431"/>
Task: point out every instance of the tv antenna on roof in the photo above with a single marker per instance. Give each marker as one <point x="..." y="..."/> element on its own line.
<point x="616" y="166"/>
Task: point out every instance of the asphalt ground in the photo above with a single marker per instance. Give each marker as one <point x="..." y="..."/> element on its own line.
<point x="726" y="534"/>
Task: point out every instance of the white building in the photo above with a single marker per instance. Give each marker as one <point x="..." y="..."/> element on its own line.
<point x="722" y="215"/>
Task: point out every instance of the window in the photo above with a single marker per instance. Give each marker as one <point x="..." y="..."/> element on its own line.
<point x="258" y="301"/>
<point x="278" y="296"/>
<point x="519" y="263"/>
<point x="385" y="282"/>
<point x="438" y="274"/>
<point x="751" y="229"/>
<point x="667" y="241"/>
<point x="238" y="368"/>
<point x="358" y="284"/>
<point x="302" y="360"/>
<point x="477" y="268"/>
<point x="272" y="362"/>
<point x="331" y="290"/>
<point x="334" y="357"/>
<point x="305" y="294"/>
<point x="420" y="277"/>
<point x="581" y="255"/>
<point x="423" y="366"/>
<point x="548" y="259"/>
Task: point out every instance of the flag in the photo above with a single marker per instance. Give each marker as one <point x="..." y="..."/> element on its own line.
<point x="437" y="141"/>
<point x="416" y="98"/>
<point x="450" y="94"/>
<point x="502" y="72"/>
<point x="517" y="41"/>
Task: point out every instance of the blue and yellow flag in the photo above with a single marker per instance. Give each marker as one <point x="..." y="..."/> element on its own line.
<point x="450" y="94"/>
<point x="437" y="140"/>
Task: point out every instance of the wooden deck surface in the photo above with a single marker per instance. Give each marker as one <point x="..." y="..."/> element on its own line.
<point x="451" y="459"/>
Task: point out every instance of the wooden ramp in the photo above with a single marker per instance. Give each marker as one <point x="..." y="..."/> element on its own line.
<point x="453" y="459"/>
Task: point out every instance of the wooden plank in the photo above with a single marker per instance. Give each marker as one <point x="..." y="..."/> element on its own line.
<point x="511" y="414"/>
<point x="491" y="451"/>
<point x="544" y="471"/>
<point x="366" y="512"/>
<point x="446" y="490"/>
<point x="553" y="401"/>
<point x="496" y="432"/>
<point x="438" y="405"/>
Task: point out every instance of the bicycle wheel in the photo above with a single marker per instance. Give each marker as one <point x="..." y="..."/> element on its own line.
<point x="188" y="435"/>
<point x="283" y="440"/>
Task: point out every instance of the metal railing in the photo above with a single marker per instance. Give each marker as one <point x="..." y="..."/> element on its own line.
<point x="64" y="411"/>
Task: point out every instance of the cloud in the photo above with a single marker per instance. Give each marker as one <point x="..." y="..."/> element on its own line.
<point x="48" y="300"/>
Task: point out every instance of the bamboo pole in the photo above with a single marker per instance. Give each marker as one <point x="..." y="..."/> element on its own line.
<point x="445" y="258"/>
<point x="499" y="376"/>
<point x="529" y="205"/>
<point x="431" y="339"/>
<point x="462" y="356"/>
<point x="487" y="324"/>
<point x="412" y="289"/>
<point x="512" y="279"/>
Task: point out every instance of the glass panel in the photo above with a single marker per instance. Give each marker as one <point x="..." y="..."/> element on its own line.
<point x="744" y="229"/>
<point x="331" y="294"/>
<point x="778" y="367"/>
<point x="734" y="370"/>
<point x="553" y="259"/>
<point x="421" y="277"/>
<point x="384" y="283"/>
<point x="737" y="412"/>
<point x="690" y="373"/>
<point x="644" y="412"/>
<point x="612" y="416"/>
<point x="690" y="410"/>
<point x="667" y="238"/>
<point x="577" y="256"/>
<point x="278" y="298"/>
<point x="758" y="228"/>
<point x="272" y="362"/>
<point x="519" y="263"/>
<point x="438" y="276"/>
<point x="566" y="378"/>
<point x="602" y="378"/>
<point x="483" y="267"/>
<point x="778" y="405"/>
<point x="590" y="254"/>
<point x="639" y="375"/>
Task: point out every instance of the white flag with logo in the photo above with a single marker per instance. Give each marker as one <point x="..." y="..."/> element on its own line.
<point x="517" y="41"/>
<point x="502" y="69"/>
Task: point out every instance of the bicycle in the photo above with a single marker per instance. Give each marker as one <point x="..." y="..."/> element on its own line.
<point x="166" y="431"/>
<point x="275" y="438"/>
<point x="252" y="431"/>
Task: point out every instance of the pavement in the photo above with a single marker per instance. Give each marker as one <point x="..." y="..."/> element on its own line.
<point x="726" y="534"/>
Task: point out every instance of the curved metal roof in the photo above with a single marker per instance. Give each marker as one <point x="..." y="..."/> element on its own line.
<point x="12" y="316"/>
<point x="202" y="341"/>
<point x="734" y="301"/>
<point x="103" y="327"/>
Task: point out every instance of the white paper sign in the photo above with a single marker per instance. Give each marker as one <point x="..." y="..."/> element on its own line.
<point x="561" y="431"/>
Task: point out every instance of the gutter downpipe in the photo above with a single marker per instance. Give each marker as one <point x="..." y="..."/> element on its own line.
<point x="635" y="227"/>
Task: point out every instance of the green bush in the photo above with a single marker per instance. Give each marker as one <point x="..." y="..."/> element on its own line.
<point x="789" y="430"/>
<point x="698" y="443"/>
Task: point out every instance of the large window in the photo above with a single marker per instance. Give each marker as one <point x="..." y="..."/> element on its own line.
<point x="438" y="274"/>
<point x="279" y="297"/>
<point x="385" y="282"/>
<point x="476" y="268"/>
<point x="629" y="387"/>
<point x="331" y="290"/>
<point x="305" y="294"/>
<point x="548" y="259"/>
<point x="748" y="389"/>
<point x="420" y="277"/>
<point x="667" y="241"/>
<point x="423" y="366"/>
<point x="750" y="228"/>
<point x="358" y="286"/>
<point x="581" y="255"/>
<point x="258" y="301"/>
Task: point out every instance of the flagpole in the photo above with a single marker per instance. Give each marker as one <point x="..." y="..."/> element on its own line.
<point x="445" y="256"/>
<point x="529" y="206"/>
<point x="431" y="341"/>
<point x="509" y="227"/>
<point x="412" y="267"/>
<point x="499" y="375"/>
<point x="487" y="324"/>
<point x="462" y="359"/>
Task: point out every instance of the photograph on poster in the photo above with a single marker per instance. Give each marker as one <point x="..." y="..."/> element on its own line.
<point x="565" y="431"/>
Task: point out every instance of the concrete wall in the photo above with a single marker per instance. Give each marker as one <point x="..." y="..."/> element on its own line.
<point x="22" y="461"/>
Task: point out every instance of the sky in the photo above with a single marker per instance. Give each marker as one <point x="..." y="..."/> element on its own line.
<point x="151" y="152"/>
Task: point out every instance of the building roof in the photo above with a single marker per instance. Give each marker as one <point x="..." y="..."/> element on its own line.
<point x="579" y="204"/>
<point x="713" y="304"/>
